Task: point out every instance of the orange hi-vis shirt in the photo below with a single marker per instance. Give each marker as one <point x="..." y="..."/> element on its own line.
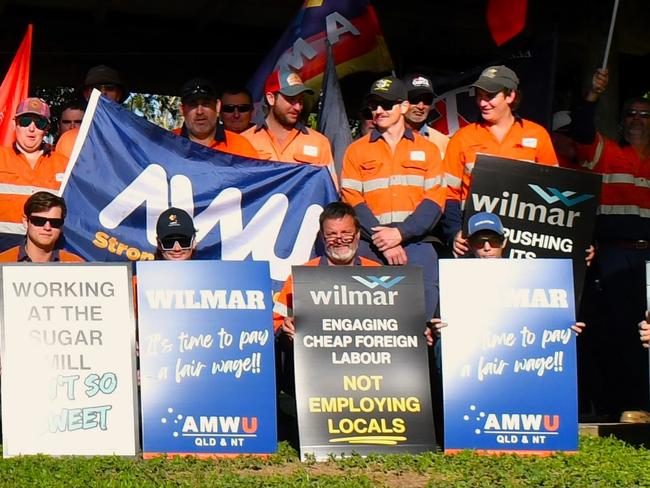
<point x="18" y="181"/>
<point x="302" y="145"/>
<point x="226" y="141"/>
<point x="525" y="141"/>
<point x="17" y="254"/>
<point x="624" y="211"/>
<point x="392" y="185"/>
<point x="66" y="142"/>
<point x="283" y="301"/>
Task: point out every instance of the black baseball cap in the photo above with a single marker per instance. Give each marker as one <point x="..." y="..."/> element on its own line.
<point x="389" y="88"/>
<point x="417" y="84"/>
<point x="174" y="222"/>
<point x="496" y="78"/>
<point x="198" y="88"/>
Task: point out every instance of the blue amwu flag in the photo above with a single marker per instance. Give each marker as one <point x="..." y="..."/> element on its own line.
<point x="124" y="171"/>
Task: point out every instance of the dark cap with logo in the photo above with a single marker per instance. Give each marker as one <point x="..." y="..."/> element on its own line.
<point x="417" y="84"/>
<point x="389" y="88"/>
<point x="496" y="78"/>
<point x="287" y="82"/>
<point x="174" y="222"/>
<point x="484" y="221"/>
<point x="198" y="88"/>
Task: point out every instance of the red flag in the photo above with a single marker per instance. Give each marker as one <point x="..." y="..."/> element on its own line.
<point x="506" y="19"/>
<point x="14" y="88"/>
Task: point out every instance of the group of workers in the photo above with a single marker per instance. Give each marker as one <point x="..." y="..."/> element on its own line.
<point x="401" y="183"/>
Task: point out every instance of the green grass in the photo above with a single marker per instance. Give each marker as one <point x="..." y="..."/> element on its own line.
<point x="600" y="463"/>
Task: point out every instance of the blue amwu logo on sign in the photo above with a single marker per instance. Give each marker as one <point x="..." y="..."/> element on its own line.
<point x="373" y="282"/>
<point x="554" y="195"/>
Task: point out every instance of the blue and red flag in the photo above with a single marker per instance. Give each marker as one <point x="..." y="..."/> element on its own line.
<point x="125" y="171"/>
<point x="350" y="26"/>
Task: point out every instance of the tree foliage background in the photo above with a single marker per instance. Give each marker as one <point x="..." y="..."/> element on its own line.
<point x="161" y="110"/>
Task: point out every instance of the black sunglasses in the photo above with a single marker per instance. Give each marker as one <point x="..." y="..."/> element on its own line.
<point x="240" y="107"/>
<point x="55" y="223"/>
<point x="384" y="104"/>
<point x="644" y="114"/>
<point x="66" y="121"/>
<point x="479" y="242"/>
<point x="168" y="243"/>
<point x="26" y="121"/>
<point x="426" y="98"/>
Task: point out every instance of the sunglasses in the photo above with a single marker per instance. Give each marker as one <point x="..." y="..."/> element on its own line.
<point x="64" y="121"/>
<point x="26" y="121"/>
<point x="240" y="107"/>
<point x="384" y="104"/>
<point x="644" y="114"/>
<point x="184" y="242"/>
<point x="425" y="98"/>
<point x="55" y="223"/>
<point x="343" y="239"/>
<point x="479" y="242"/>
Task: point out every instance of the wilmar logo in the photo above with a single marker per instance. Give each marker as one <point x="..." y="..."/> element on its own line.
<point x="514" y="428"/>
<point x="568" y="197"/>
<point x="373" y="282"/>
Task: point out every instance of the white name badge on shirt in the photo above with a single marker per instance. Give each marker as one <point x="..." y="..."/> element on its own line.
<point x="529" y="142"/>
<point x="310" y="150"/>
<point x="417" y="156"/>
<point x="59" y="177"/>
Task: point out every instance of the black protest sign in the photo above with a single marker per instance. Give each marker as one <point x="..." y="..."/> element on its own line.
<point x="362" y="380"/>
<point x="547" y="212"/>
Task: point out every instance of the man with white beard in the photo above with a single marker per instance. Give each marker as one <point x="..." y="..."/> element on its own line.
<point x="340" y="232"/>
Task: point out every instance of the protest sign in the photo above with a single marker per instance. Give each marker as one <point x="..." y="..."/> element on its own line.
<point x="362" y="378"/>
<point x="547" y="212"/>
<point x="68" y="360"/>
<point x="508" y="355"/>
<point x="206" y="357"/>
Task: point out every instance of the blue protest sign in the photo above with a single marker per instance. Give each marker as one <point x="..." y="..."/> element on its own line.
<point x="508" y="355"/>
<point x="206" y="357"/>
<point x="125" y="171"/>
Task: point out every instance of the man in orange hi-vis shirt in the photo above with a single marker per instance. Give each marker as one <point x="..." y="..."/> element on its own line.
<point x="394" y="179"/>
<point x="27" y="166"/>
<point x="200" y="105"/>
<point x="281" y="136"/>
<point x="500" y="133"/>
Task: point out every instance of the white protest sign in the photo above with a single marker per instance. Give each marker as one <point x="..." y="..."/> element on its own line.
<point x="68" y="360"/>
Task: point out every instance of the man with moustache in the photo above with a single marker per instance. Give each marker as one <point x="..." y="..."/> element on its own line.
<point x="281" y="136"/>
<point x="394" y="179"/>
<point x="420" y="97"/>
<point x="340" y="232"/>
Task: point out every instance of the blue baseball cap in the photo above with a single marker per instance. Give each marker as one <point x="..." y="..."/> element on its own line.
<point x="484" y="221"/>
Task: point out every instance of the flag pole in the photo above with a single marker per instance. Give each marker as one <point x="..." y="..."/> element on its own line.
<point x="611" y="34"/>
